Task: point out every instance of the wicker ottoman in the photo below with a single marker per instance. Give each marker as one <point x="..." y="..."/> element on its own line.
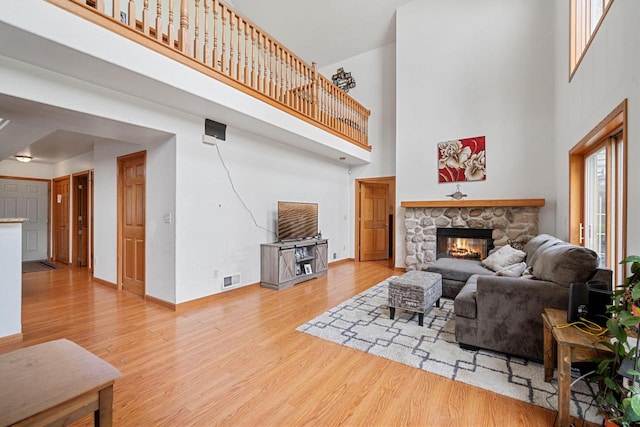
<point x="415" y="291"/>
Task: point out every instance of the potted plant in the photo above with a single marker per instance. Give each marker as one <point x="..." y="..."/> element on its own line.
<point x="618" y="398"/>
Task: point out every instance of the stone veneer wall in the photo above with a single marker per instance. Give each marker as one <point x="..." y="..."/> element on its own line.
<point x="518" y="224"/>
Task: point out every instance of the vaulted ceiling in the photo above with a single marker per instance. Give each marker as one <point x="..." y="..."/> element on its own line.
<point x="328" y="31"/>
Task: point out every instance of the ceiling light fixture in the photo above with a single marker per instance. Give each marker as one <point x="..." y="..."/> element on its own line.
<point x="23" y="158"/>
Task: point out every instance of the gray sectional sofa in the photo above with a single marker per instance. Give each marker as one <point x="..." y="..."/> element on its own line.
<point x="504" y="313"/>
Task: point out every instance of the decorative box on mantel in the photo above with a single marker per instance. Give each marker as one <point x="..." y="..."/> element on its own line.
<point x="511" y="220"/>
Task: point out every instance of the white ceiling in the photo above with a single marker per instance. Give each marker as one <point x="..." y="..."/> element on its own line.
<point x="328" y="31"/>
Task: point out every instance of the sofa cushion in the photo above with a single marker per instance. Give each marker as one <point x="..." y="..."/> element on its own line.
<point x="503" y="257"/>
<point x="566" y="264"/>
<point x="458" y="269"/>
<point x="514" y="270"/>
<point x="537" y="245"/>
<point x="465" y="303"/>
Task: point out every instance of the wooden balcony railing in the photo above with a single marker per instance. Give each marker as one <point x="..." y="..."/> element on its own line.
<point x="212" y="38"/>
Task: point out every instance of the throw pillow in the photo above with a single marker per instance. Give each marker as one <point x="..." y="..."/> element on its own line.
<point x="503" y="257"/>
<point x="566" y="264"/>
<point x="514" y="270"/>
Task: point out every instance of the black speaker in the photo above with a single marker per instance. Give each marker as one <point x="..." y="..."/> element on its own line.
<point x="599" y="299"/>
<point x="578" y="302"/>
<point x="215" y="129"/>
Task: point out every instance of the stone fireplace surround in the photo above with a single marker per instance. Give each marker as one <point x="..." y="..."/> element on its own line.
<point x="511" y="220"/>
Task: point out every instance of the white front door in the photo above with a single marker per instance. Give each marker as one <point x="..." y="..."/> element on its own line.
<point x="22" y="198"/>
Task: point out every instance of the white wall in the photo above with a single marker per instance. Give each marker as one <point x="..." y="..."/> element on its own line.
<point x="609" y="73"/>
<point x="80" y="163"/>
<point x="217" y="236"/>
<point x="15" y="168"/>
<point x="375" y="75"/>
<point x="468" y="69"/>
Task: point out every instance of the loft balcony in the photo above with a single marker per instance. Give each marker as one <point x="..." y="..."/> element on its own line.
<point x="210" y="37"/>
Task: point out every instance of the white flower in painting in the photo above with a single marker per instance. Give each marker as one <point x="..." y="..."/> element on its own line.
<point x="475" y="167"/>
<point x="453" y="154"/>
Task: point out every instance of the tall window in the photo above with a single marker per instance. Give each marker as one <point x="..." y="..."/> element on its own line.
<point x="597" y="207"/>
<point x="585" y="19"/>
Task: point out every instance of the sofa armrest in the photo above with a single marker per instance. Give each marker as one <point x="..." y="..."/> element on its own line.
<point x="509" y="311"/>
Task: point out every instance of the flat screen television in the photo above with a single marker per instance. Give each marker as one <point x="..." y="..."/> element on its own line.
<point x="297" y="220"/>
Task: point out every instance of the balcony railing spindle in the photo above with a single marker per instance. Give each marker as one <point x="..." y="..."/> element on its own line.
<point x="196" y="31"/>
<point x="132" y="14"/>
<point x="232" y="63"/>
<point x="183" y="32"/>
<point x="159" y="20"/>
<point x="145" y="17"/>
<point x="171" y="36"/>
<point x="205" y="47"/>
<point x="215" y="59"/>
<point x="115" y="11"/>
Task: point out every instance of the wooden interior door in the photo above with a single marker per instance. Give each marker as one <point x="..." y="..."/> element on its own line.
<point x="131" y="219"/>
<point x="61" y="194"/>
<point x="374" y="221"/>
<point x="81" y="219"/>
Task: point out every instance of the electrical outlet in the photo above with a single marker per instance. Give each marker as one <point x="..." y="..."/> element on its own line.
<point x="215" y="274"/>
<point x="335" y="255"/>
<point x="123" y="17"/>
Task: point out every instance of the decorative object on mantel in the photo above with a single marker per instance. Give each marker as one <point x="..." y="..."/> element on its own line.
<point x="462" y="160"/>
<point x="458" y="194"/>
<point x="343" y="80"/>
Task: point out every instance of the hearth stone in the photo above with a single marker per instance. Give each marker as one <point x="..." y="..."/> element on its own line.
<point x="508" y="223"/>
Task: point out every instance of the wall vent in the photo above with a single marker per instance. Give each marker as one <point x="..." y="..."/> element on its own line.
<point x="232" y="280"/>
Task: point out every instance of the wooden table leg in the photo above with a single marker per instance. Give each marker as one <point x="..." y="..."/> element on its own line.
<point x="564" y="385"/>
<point x="549" y="350"/>
<point x="104" y="415"/>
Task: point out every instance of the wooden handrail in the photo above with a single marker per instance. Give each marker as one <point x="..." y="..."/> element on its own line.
<point x="230" y="46"/>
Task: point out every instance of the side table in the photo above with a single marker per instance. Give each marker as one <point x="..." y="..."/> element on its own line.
<point x="55" y="383"/>
<point x="572" y="346"/>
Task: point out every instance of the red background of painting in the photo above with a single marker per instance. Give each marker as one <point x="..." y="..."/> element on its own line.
<point x="476" y="145"/>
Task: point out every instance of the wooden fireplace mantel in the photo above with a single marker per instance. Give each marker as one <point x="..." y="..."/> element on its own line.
<point x="472" y="203"/>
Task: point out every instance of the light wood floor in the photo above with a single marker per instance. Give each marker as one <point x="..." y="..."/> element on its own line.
<point x="237" y="360"/>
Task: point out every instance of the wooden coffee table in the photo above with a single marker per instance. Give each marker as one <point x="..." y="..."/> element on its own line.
<point x="572" y="346"/>
<point x="55" y="383"/>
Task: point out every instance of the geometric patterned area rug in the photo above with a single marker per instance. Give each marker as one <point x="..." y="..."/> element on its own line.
<point x="363" y="323"/>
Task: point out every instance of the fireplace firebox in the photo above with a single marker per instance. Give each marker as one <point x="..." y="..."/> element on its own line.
<point x="464" y="243"/>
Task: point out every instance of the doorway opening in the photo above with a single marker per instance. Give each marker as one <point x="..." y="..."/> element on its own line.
<point x="375" y="219"/>
<point x="61" y="214"/>
<point x="82" y="241"/>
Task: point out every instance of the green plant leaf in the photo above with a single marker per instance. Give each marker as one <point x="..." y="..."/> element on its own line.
<point x="632" y="408"/>
<point x="630" y="258"/>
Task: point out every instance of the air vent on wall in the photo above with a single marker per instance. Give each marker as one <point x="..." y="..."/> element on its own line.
<point x="232" y="280"/>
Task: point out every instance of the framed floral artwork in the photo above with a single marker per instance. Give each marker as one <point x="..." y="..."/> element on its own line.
<point x="462" y="160"/>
